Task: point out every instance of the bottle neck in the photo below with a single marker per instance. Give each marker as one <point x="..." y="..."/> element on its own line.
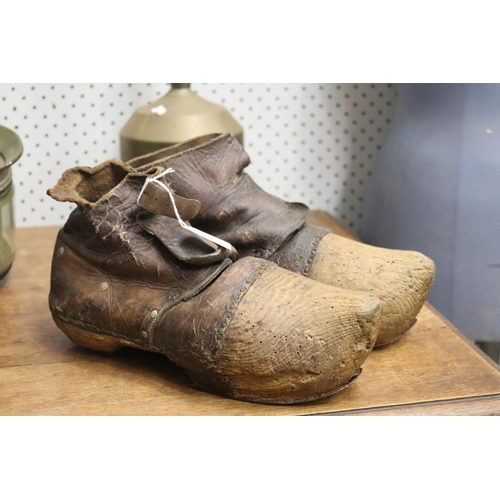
<point x="181" y="85"/>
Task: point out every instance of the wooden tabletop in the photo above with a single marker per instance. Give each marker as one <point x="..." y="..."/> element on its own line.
<point x="433" y="370"/>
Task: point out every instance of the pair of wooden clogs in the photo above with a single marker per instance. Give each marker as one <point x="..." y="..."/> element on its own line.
<point x="180" y="252"/>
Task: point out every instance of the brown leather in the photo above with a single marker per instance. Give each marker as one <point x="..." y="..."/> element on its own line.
<point x="248" y="330"/>
<point x="104" y="237"/>
<point x="85" y="186"/>
<point x="158" y="201"/>
<point x="297" y="254"/>
<point x="189" y="248"/>
<point x="233" y="207"/>
<point x="111" y="277"/>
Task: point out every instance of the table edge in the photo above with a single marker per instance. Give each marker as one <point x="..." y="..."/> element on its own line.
<point x="475" y="406"/>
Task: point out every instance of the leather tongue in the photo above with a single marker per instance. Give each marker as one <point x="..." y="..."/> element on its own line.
<point x="183" y="244"/>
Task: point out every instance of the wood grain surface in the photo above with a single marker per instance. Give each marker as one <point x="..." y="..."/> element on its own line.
<point x="433" y="370"/>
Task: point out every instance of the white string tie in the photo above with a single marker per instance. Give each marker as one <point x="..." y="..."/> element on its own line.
<point x="207" y="236"/>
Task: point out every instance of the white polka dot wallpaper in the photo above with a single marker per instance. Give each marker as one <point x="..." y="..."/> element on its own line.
<point x="310" y="142"/>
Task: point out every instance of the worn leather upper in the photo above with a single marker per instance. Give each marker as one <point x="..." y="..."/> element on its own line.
<point x="233" y="207"/>
<point x="113" y="232"/>
<point x="247" y="329"/>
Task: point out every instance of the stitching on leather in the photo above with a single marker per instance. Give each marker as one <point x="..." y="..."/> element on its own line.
<point x="312" y="255"/>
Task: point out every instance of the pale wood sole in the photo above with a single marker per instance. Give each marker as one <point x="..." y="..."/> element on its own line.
<point x="106" y="343"/>
<point x="383" y="344"/>
<point x="296" y="401"/>
<point x="90" y="340"/>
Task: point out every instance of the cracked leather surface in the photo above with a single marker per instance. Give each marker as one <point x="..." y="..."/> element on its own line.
<point x="233" y="207"/>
